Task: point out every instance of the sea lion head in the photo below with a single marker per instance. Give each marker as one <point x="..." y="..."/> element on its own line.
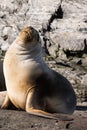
<point x="29" y="37"/>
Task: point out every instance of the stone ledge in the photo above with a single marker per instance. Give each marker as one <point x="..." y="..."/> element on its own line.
<point x="15" y="120"/>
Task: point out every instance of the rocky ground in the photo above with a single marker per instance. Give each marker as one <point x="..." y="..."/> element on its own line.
<point x="63" y="31"/>
<point x="15" y="120"/>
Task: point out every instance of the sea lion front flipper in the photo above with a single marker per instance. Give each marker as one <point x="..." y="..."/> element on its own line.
<point x="49" y="115"/>
<point x="41" y="113"/>
<point x="2" y="97"/>
<point x="7" y="104"/>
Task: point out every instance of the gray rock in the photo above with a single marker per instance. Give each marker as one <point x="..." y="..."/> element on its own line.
<point x="14" y="15"/>
<point x="41" y="11"/>
<point x="15" y="120"/>
<point x="70" y="32"/>
<point x="84" y="80"/>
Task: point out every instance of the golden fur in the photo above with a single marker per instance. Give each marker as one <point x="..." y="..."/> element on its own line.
<point x="31" y="84"/>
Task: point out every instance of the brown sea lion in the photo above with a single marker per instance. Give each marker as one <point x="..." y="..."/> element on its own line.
<point x="31" y="84"/>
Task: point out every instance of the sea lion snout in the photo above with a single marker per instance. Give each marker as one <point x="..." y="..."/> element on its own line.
<point x="29" y="36"/>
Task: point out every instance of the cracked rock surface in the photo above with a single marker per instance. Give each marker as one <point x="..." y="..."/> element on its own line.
<point x="15" y="120"/>
<point x="14" y="15"/>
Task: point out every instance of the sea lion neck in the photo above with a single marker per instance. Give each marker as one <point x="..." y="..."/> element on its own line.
<point x="28" y="53"/>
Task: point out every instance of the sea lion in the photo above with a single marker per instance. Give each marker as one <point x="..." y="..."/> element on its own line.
<point x="31" y="84"/>
<point x="2" y="79"/>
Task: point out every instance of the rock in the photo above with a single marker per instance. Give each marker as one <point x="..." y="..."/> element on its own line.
<point x="84" y="80"/>
<point x="41" y="11"/>
<point x="15" y="120"/>
<point x="70" y="32"/>
<point x="14" y="15"/>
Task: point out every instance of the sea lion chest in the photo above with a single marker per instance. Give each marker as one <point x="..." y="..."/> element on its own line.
<point x="20" y="73"/>
<point x="20" y="67"/>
